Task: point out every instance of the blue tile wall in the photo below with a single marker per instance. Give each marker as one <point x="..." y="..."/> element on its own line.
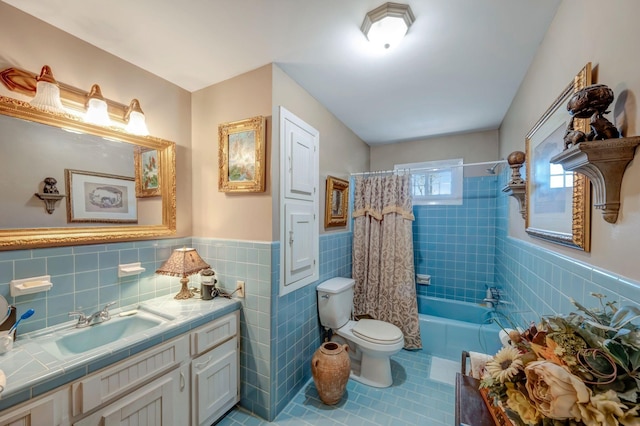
<point x="538" y="282"/>
<point x="278" y="334"/>
<point x="455" y="244"/>
<point x="297" y="332"/>
<point x="85" y="278"/>
<point x="250" y="262"/>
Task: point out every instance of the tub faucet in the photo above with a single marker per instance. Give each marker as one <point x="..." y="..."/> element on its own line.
<point x="96" y="318"/>
<point x="492" y="298"/>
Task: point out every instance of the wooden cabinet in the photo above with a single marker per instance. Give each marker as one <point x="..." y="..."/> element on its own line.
<point x="215" y="382"/>
<point x="49" y="410"/>
<point x="161" y="402"/>
<point x="215" y="372"/>
<point x="191" y="379"/>
<point x="299" y="205"/>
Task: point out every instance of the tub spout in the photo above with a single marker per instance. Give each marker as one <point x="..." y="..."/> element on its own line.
<point x="491" y="303"/>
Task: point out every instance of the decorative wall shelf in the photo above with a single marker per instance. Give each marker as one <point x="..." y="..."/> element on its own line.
<point x="516" y="187"/>
<point x="49" y="200"/>
<point x="604" y="163"/>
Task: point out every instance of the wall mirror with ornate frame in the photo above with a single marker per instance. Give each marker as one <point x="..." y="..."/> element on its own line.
<point x="336" y="203"/>
<point x="558" y="202"/>
<point x="36" y="144"/>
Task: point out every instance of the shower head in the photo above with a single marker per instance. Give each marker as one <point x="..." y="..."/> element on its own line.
<point x="492" y="170"/>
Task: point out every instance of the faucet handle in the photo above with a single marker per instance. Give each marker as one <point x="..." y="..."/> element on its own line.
<point x="108" y="305"/>
<point x="104" y="314"/>
<point x="81" y="316"/>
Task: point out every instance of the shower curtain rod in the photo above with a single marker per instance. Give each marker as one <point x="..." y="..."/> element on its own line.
<point x="423" y="169"/>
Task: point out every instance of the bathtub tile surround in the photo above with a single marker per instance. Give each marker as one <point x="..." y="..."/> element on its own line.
<point x="414" y="399"/>
<point x="455" y="244"/>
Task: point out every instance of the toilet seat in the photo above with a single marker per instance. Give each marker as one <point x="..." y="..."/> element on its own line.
<point x="379" y="332"/>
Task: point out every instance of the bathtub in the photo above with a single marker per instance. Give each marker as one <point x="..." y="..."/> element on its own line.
<point x="447" y="327"/>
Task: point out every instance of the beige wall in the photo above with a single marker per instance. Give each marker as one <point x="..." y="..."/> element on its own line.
<point x="473" y="147"/>
<point x="240" y="216"/>
<point x="29" y="44"/>
<point x="341" y="151"/>
<point x="606" y="35"/>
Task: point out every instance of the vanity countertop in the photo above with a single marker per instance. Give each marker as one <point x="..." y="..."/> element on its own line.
<point x="32" y="371"/>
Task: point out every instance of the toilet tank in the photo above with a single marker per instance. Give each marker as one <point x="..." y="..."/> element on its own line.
<point x="335" y="302"/>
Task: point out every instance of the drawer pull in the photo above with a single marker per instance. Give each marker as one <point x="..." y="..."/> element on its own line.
<point x="202" y="364"/>
<point x="182" y="382"/>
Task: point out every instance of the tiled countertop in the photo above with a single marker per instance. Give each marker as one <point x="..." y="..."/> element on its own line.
<point x="31" y="371"/>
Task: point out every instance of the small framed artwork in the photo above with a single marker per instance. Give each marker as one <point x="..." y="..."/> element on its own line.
<point x="241" y="156"/>
<point x="100" y="198"/>
<point x="558" y="202"/>
<point x="147" y="166"/>
<point x="337" y="202"/>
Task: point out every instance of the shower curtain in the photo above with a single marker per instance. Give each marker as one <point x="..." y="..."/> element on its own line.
<point x="383" y="254"/>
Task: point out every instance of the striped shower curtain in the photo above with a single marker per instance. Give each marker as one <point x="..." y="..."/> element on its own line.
<point x="383" y="254"/>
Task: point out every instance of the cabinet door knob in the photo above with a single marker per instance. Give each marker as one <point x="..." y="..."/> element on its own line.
<point x="182" y="381"/>
<point x="202" y="364"/>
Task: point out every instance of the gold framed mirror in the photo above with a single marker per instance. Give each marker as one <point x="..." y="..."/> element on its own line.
<point x="37" y="144"/>
<point x="558" y="202"/>
<point x="336" y="202"/>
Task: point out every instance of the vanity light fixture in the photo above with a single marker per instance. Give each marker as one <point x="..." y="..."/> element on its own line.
<point x="182" y="263"/>
<point x="97" y="110"/>
<point x="73" y="100"/>
<point x="386" y="25"/>
<point x="134" y="117"/>
<point x="47" y="92"/>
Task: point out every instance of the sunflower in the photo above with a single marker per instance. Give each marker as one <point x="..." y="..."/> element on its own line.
<point x="505" y="364"/>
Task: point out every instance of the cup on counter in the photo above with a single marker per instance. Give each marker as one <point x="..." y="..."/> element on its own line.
<point x="6" y="341"/>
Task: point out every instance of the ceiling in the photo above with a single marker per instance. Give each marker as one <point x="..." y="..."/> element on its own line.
<point x="456" y="71"/>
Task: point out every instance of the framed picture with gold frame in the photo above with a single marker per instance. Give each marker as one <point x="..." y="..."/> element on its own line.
<point x="100" y="197"/>
<point x="241" y="156"/>
<point x="337" y="202"/>
<point x="558" y="202"/>
<point x="147" y="166"/>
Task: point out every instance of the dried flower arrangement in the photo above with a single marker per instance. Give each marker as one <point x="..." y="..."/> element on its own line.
<point x="576" y="369"/>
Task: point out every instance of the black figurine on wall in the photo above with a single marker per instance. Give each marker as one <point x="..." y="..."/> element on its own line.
<point x="590" y="102"/>
<point x="50" y="186"/>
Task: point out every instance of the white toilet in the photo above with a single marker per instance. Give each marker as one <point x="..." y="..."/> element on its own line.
<point x="371" y="342"/>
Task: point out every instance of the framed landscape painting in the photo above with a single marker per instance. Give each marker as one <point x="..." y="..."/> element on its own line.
<point x="241" y="156"/>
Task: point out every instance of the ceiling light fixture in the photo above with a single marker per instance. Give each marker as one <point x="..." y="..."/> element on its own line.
<point x="47" y="92"/>
<point x="134" y="117"/>
<point x="96" y="108"/>
<point x="386" y="25"/>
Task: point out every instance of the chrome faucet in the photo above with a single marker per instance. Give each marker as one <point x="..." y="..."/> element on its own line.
<point x="492" y="298"/>
<point x="95" y="318"/>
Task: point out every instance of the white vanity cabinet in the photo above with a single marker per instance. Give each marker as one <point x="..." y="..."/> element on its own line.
<point x="164" y="401"/>
<point x="160" y="402"/>
<point x="192" y="379"/>
<point x="49" y="410"/>
<point x="215" y="373"/>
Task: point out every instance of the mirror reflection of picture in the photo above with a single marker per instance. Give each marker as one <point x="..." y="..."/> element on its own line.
<point x="147" y="166"/>
<point x="336" y="203"/>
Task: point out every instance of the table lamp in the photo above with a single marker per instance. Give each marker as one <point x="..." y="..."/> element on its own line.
<point x="182" y="263"/>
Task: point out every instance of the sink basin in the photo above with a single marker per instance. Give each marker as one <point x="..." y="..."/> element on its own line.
<point x="82" y="340"/>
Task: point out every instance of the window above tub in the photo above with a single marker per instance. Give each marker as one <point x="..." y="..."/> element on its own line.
<point x="435" y="182"/>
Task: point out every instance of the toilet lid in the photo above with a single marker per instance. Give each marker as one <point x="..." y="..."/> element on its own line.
<point x="377" y="331"/>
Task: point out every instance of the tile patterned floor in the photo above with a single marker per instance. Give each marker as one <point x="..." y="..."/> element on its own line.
<point x="413" y="399"/>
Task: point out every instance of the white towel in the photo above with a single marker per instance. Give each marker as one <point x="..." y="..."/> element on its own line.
<point x="478" y="361"/>
<point x="3" y="381"/>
